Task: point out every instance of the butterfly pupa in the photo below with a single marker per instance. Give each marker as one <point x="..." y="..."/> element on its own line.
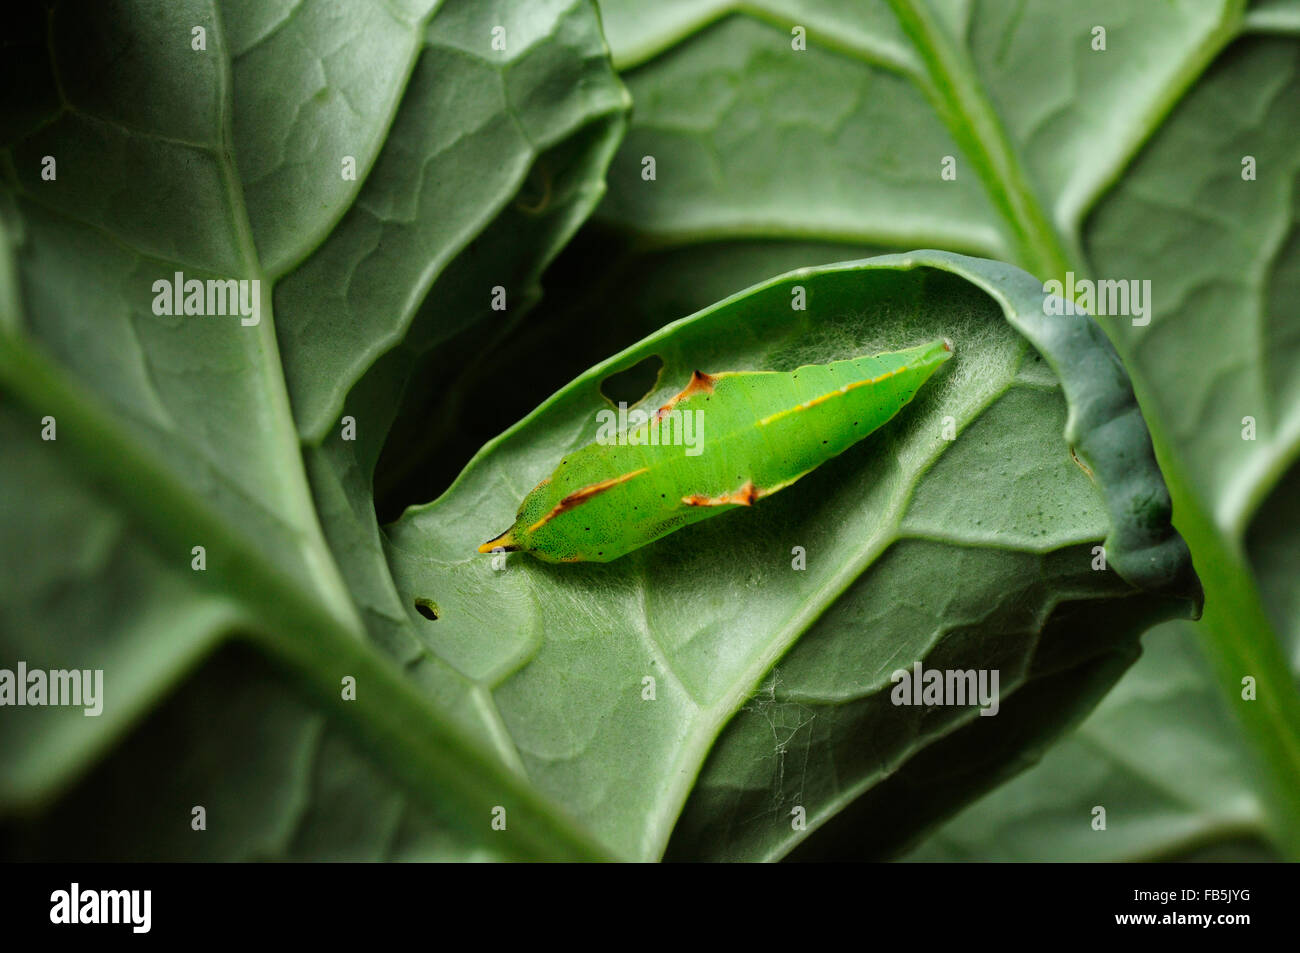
<point x="760" y="432"/>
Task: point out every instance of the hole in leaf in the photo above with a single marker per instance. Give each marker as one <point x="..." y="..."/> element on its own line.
<point x="427" y="608"/>
<point x="634" y="384"/>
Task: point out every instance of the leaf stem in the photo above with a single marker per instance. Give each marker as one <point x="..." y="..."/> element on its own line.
<point x="1238" y="638"/>
<point x="971" y="119"/>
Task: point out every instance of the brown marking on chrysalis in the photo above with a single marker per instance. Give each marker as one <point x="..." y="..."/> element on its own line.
<point x="1080" y="464"/>
<point x="700" y="383"/>
<point x="505" y="542"/>
<point x="827" y="396"/>
<point x="580" y="496"/>
<point x="745" y="496"/>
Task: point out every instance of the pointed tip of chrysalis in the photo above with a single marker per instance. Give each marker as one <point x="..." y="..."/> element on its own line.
<point x="505" y="542"/>
<point x="947" y="345"/>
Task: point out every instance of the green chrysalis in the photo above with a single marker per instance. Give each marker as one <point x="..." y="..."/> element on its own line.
<point x="766" y="429"/>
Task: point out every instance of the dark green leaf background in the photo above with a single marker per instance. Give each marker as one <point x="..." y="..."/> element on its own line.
<point x="521" y="169"/>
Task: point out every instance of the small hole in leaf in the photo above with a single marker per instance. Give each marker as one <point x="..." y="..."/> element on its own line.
<point x="635" y="384"/>
<point x="427" y="608"/>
